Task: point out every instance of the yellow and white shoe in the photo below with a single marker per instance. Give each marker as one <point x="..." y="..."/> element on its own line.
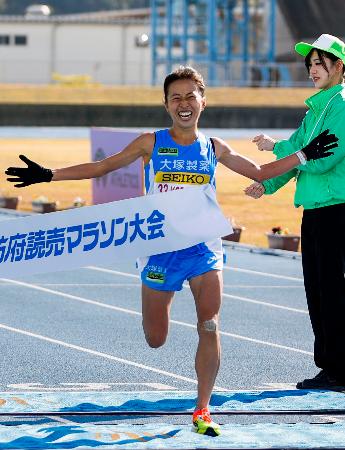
<point x="203" y="423"/>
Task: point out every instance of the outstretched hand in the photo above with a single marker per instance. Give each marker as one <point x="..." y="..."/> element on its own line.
<point x="255" y="190"/>
<point x="33" y="173"/>
<point x="264" y="142"/>
<point x="320" y="146"/>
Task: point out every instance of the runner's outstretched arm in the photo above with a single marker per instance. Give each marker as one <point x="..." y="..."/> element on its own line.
<point x="35" y="173"/>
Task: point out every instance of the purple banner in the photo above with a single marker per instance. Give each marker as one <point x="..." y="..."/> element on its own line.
<point x="123" y="183"/>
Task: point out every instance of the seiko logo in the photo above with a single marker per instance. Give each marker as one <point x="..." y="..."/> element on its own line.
<point x="182" y="177"/>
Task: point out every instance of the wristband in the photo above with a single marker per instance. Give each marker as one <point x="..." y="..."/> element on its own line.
<point x="301" y="157"/>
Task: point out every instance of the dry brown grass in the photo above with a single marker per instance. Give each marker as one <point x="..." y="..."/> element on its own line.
<point x="144" y="95"/>
<point x="258" y="216"/>
<point x="51" y="153"/>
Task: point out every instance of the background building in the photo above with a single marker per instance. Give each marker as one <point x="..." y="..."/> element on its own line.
<point x="108" y="46"/>
<point x="232" y="42"/>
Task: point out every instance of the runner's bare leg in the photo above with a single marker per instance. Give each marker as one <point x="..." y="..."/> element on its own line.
<point x="156" y="309"/>
<point x="207" y="292"/>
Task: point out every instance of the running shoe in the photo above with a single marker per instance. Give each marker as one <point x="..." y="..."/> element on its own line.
<point x="203" y="423"/>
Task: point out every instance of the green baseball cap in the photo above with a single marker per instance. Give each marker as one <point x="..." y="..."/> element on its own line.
<point x="326" y="42"/>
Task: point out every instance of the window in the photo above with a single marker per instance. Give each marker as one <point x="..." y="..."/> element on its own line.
<point x="20" y="40"/>
<point x="4" y="39"/>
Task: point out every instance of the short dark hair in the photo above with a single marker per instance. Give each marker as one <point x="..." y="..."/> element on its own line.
<point x="184" y="73"/>
<point x="321" y="54"/>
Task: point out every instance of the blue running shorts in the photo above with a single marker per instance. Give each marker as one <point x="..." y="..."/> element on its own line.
<point x="168" y="271"/>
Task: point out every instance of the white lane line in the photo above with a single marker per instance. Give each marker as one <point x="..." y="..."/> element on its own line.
<point x="61" y="387"/>
<point x="230" y="286"/>
<point x="262" y="286"/>
<point x="137" y="313"/>
<point x="120" y="285"/>
<point x="225" y="295"/>
<point x="246" y="338"/>
<point x="100" y="354"/>
<point x="264" y="274"/>
<point x="114" y="272"/>
<point x="262" y="303"/>
<point x="72" y="297"/>
<point x="75" y="297"/>
<point x="112" y="285"/>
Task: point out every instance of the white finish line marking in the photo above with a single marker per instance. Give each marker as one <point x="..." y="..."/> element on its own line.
<point x="137" y="313"/>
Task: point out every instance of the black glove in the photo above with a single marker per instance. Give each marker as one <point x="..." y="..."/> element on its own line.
<point x="32" y="174"/>
<point x="319" y="147"/>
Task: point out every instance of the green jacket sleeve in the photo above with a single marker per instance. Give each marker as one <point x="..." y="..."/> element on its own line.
<point x="272" y="185"/>
<point x="293" y="144"/>
<point x="281" y="149"/>
<point x="335" y="122"/>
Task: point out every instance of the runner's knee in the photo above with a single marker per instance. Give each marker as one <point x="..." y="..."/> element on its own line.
<point x="156" y="338"/>
<point x="209" y="326"/>
<point x="155" y="341"/>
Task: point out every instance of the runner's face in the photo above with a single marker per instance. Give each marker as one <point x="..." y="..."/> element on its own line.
<point x="184" y="103"/>
<point x="321" y="78"/>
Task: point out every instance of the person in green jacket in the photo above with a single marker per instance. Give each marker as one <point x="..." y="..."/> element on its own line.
<point x="320" y="189"/>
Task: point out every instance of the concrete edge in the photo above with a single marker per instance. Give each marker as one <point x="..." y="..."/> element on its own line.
<point x="261" y="250"/>
<point x="13" y="213"/>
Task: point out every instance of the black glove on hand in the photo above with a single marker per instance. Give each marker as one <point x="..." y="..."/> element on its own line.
<point x="319" y="147"/>
<point x="32" y="174"/>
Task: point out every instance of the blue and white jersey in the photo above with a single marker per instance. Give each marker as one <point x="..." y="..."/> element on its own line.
<point x="174" y="166"/>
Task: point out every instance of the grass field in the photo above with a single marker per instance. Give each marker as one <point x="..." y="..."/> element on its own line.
<point x="257" y="216"/>
<point x="144" y="95"/>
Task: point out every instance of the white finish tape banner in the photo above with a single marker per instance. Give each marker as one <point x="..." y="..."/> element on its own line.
<point x="110" y="232"/>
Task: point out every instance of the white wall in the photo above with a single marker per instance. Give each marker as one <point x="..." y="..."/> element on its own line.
<point x="25" y="63"/>
<point x="107" y="52"/>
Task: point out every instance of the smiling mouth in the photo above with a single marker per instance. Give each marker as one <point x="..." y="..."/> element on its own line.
<point x="185" y="114"/>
